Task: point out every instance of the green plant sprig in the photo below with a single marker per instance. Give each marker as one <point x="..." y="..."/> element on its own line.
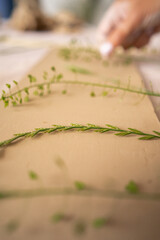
<point x="75" y="52"/>
<point x="16" y="97"/>
<point x="30" y="193"/>
<point x="88" y="54"/>
<point x="126" y="89"/>
<point x="143" y="92"/>
<point x="89" y="127"/>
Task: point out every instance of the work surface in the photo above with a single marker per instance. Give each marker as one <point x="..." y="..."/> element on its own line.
<point x="19" y="52"/>
<point x="74" y="183"/>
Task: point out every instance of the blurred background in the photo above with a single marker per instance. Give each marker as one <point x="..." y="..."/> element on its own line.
<point x="89" y="10"/>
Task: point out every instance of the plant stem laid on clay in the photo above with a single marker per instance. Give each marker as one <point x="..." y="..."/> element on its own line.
<point x="78" y="127"/>
<point x="39" y="88"/>
<point x="30" y="193"/>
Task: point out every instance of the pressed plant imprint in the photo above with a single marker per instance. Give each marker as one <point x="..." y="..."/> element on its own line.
<point x="77" y="127"/>
<point x="40" y="89"/>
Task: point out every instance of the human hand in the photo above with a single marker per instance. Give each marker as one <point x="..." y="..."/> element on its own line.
<point x="128" y="23"/>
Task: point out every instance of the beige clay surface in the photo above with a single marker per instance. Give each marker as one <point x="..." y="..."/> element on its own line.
<point x="101" y="161"/>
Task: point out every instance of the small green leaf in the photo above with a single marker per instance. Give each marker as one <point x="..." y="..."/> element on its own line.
<point x="3" y="92"/>
<point x="102" y="130"/>
<point x="33" y="175"/>
<point x="6" y="103"/>
<point x="123" y="133"/>
<point x="26" y="91"/>
<point x="59" y="77"/>
<point x="32" y="78"/>
<point x="136" y="131"/>
<point x="45" y="75"/>
<point x="60" y="163"/>
<point x="14" y="103"/>
<point x="15" y="82"/>
<point x="104" y="94"/>
<point x="148" y="137"/>
<point x="12" y="226"/>
<point x="64" y="92"/>
<point x="158" y="133"/>
<point x="53" y="69"/>
<point x="8" y="86"/>
<point x="92" y="94"/>
<point x="99" y="222"/>
<point x="2" y="194"/>
<point x="36" y="93"/>
<point x="127" y="60"/>
<point x="19" y="94"/>
<point x="48" y="88"/>
<point x="26" y="99"/>
<point x="132" y="187"/>
<point x="105" y="63"/>
<point x="33" y="134"/>
<point x="115" y="90"/>
<point x="80" y="185"/>
<point x="40" y="86"/>
<point x="80" y="70"/>
<point x="41" y="94"/>
<point x="112" y="127"/>
<point x="92" y="125"/>
<point x="80" y="227"/>
<point x="65" y="53"/>
<point x="3" y="97"/>
<point x="57" y="217"/>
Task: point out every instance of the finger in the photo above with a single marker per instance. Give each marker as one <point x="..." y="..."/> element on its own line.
<point x="145" y="36"/>
<point x="130" y="41"/>
<point x="117" y="37"/>
<point x="142" y="40"/>
<point x="123" y="30"/>
<point x="107" y="24"/>
<point x="156" y="28"/>
<point x="115" y="14"/>
<point x="141" y="37"/>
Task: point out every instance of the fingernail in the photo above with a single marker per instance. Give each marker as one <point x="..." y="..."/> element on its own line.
<point x="106" y="49"/>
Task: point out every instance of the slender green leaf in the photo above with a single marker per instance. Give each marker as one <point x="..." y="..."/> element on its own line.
<point x="158" y="133"/>
<point x="15" y="82"/>
<point x="8" y="86"/>
<point x="136" y="131"/>
<point x="80" y="227"/>
<point x="99" y="222"/>
<point x="26" y="99"/>
<point x="33" y="175"/>
<point x="148" y="137"/>
<point x="80" y="185"/>
<point x="57" y="217"/>
<point x="92" y="94"/>
<point x="80" y="70"/>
